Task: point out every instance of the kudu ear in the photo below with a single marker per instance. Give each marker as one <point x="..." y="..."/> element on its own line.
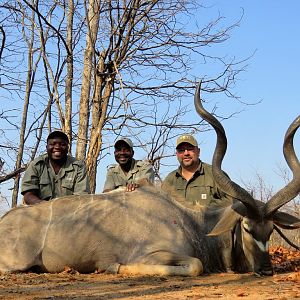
<point x="227" y="222"/>
<point x="286" y="221"/>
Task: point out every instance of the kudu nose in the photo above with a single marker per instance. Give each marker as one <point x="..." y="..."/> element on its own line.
<point x="265" y="270"/>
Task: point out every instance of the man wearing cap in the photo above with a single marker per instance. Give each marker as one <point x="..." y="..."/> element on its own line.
<point x="192" y="183"/>
<point x="55" y="173"/>
<point x="128" y="172"/>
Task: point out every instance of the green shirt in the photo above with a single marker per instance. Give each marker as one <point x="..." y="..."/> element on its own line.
<point x="201" y="189"/>
<point x="116" y="177"/>
<point x="71" y="179"/>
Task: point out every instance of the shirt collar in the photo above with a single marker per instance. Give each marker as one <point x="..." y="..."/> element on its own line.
<point x="66" y="167"/>
<point x="133" y="168"/>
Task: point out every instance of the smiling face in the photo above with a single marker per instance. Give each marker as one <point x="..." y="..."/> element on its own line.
<point x="123" y="154"/>
<point x="188" y="155"/>
<point x="57" y="149"/>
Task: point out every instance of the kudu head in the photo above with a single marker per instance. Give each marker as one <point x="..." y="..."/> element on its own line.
<point x="252" y="221"/>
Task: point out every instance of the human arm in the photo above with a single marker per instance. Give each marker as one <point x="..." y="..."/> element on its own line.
<point x="31" y="197"/>
<point x="145" y="176"/>
<point x="109" y="184"/>
<point x="168" y="183"/>
<point x="31" y="185"/>
<point x="141" y="182"/>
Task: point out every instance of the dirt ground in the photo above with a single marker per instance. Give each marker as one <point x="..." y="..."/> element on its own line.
<point x="101" y="286"/>
<point x="285" y="284"/>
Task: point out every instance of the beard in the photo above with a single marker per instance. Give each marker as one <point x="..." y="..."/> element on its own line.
<point x="188" y="161"/>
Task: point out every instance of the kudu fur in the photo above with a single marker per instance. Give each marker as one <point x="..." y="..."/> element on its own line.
<point x="147" y="232"/>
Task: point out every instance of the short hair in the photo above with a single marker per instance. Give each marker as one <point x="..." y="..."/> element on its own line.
<point x="58" y="134"/>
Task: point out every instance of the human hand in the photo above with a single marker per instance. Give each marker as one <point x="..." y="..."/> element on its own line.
<point x="30" y="198"/>
<point x="131" y="187"/>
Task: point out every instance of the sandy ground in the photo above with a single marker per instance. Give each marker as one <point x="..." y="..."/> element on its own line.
<point x="71" y="285"/>
<point x="284" y="284"/>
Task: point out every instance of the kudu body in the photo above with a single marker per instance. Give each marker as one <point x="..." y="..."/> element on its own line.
<point x="147" y="232"/>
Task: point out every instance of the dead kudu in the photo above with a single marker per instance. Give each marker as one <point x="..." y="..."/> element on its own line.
<point x="147" y="232"/>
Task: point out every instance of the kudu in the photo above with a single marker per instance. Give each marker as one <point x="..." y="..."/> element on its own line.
<point x="251" y="220"/>
<point x="147" y="232"/>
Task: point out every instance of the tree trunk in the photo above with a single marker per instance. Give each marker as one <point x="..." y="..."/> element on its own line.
<point x="30" y="77"/>
<point x="98" y="121"/>
<point x="69" y="79"/>
<point x="93" y="25"/>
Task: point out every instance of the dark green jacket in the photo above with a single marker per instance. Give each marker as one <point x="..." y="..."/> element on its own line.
<point x="201" y="189"/>
<point x="139" y="169"/>
<point x="71" y="179"/>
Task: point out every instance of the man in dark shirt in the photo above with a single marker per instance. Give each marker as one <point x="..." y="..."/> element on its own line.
<point x="55" y="173"/>
<point x="128" y="172"/>
<point x="192" y="183"/>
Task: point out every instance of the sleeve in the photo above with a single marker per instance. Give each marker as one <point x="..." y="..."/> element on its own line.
<point x="146" y="172"/>
<point x="109" y="181"/>
<point x="30" y="179"/>
<point x="167" y="184"/>
<point x="82" y="184"/>
<point x="149" y="173"/>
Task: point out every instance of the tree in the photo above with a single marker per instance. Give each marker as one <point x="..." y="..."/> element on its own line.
<point x="95" y="68"/>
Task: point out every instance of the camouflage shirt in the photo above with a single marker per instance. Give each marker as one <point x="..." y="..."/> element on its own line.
<point x="71" y="179"/>
<point x="116" y="177"/>
<point x="201" y="189"/>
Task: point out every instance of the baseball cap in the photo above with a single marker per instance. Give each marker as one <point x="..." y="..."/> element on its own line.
<point x="125" y="140"/>
<point x="186" y="138"/>
<point x="58" y="134"/>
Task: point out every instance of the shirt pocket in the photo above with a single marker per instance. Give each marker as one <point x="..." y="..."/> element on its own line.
<point x="119" y="181"/>
<point x="45" y="186"/>
<point x="200" y="195"/>
<point x="180" y="190"/>
<point x="67" y="186"/>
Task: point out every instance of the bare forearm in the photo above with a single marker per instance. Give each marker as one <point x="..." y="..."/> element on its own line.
<point x="31" y="198"/>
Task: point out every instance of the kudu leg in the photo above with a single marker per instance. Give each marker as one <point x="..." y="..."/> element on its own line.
<point x="161" y="263"/>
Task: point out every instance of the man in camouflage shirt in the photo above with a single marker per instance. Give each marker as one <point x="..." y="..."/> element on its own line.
<point x="192" y="183"/>
<point x="55" y="173"/>
<point x="128" y="172"/>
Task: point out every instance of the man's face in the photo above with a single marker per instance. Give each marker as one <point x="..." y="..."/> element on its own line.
<point x="57" y="149"/>
<point x="123" y="153"/>
<point x="187" y="155"/>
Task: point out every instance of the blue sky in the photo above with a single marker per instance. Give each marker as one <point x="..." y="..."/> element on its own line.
<point x="255" y="137"/>
<point x="270" y="29"/>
